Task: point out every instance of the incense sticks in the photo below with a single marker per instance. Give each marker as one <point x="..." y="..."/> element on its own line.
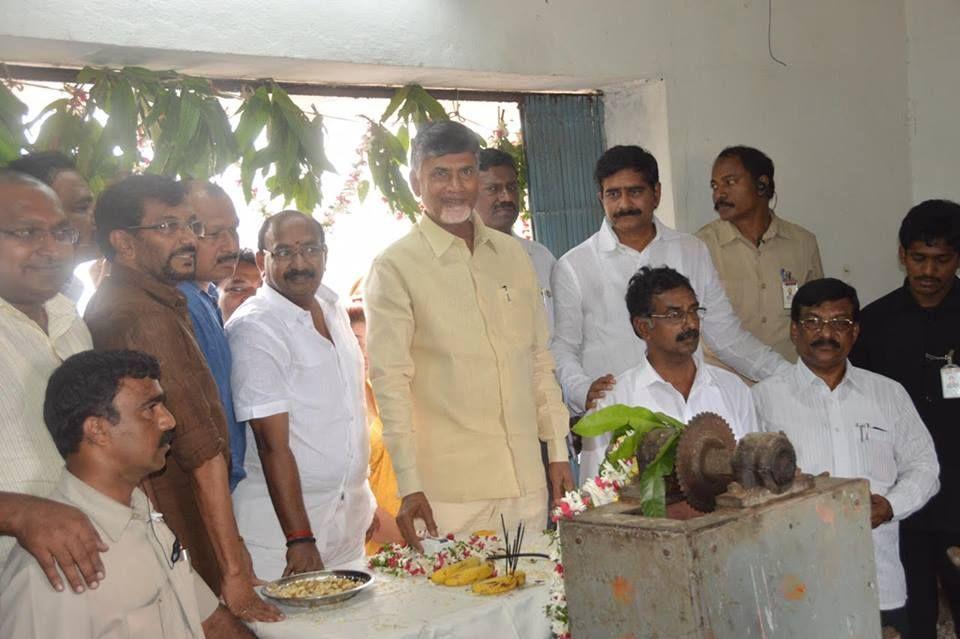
<point x="512" y="551"/>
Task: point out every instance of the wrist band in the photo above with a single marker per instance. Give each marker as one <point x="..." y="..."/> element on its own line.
<point x="301" y="540"/>
<point x="296" y="534"/>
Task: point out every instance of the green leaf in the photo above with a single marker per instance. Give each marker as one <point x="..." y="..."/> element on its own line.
<point x="363" y="187"/>
<point x="613" y="417"/>
<point x="651" y="483"/>
<point x="254" y="114"/>
<point x="56" y="105"/>
<point x="398" y="97"/>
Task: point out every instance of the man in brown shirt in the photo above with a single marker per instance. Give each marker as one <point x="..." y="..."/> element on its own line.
<point x="148" y="231"/>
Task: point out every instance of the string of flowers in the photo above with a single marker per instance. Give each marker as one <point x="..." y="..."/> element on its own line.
<point x="403" y="561"/>
<point x="601" y="490"/>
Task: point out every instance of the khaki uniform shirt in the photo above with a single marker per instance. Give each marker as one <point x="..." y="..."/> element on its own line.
<point x="460" y="366"/>
<point x="144" y="595"/>
<point x="751" y="275"/>
<point x="136" y="311"/>
<point x="29" y="460"/>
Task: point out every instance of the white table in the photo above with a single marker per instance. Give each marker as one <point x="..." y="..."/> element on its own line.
<point x="415" y="608"/>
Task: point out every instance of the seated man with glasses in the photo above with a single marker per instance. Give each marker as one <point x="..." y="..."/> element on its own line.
<point x="105" y="412"/>
<point x="852" y="423"/>
<point x="672" y="378"/>
<point x="298" y="379"/>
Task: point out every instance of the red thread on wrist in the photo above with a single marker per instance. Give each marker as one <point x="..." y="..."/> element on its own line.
<point x="299" y="534"/>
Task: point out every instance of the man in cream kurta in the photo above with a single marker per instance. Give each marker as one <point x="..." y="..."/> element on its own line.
<point x="459" y="360"/>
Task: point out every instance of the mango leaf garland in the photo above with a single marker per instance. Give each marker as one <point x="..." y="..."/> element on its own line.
<point x="12" y="112"/>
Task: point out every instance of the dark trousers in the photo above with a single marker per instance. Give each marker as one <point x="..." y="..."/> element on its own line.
<point x="924" y="557"/>
<point x="896" y="619"/>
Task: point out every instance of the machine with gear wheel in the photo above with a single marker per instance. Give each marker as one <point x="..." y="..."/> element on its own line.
<point x="751" y="548"/>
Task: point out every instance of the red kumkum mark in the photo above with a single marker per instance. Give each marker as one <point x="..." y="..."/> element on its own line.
<point x="622" y="590"/>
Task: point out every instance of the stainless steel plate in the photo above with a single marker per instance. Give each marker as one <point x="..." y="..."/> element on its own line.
<point x="362" y="580"/>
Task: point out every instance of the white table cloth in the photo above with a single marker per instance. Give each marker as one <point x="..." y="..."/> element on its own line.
<point x="415" y="608"/>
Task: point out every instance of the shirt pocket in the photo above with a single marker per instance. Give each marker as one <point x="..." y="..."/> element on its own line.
<point x="879" y="458"/>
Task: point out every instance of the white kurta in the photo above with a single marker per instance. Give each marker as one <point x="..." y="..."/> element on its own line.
<point x="865" y="427"/>
<point x="714" y="390"/>
<point x="593" y="335"/>
<point x="281" y="364"/>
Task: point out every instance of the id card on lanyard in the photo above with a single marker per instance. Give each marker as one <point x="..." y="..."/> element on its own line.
<point x="789" y="286"/>
<point x="949" y="375"/>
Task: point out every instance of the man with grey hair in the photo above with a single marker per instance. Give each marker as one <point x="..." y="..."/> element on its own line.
<point x="459" y="359"/>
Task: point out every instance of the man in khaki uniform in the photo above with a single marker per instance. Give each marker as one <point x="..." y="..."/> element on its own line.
<point x="762" y="258"/>
<point x="106" y="415"/>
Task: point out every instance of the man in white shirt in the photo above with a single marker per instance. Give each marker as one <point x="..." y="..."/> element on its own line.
<point x="593" y="340"/>
<point x="498" y="205"/>
<point x="672" y="378"/>
<point x="851" y="422"/>
<point x="298" y="379"/>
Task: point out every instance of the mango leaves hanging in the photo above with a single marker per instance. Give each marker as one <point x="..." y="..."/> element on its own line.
<point x="293" y="152"/>
<point x="184" y="120"/>
<point x="387" y="152"/>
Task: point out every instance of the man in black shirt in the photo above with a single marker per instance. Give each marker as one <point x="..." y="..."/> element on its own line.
<point x="913" y="336"/>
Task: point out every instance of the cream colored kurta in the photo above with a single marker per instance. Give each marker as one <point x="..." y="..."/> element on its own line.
<point x="751" y="275"/>
<point x="29" y="460"/>
<point x="460" y="366"/>
<point x="145" y="594"/>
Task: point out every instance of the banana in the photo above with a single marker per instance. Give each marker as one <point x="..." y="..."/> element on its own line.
<point x="501" y="584"/>
<point x="468" y="576"/>
<point x="484" y="533"/>
<point x="440" y="576"/>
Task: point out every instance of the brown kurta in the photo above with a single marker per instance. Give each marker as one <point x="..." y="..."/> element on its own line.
<point x="136" y="311"/>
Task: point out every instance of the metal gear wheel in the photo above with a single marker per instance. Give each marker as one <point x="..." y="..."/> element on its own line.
<point x="703" y="460"/>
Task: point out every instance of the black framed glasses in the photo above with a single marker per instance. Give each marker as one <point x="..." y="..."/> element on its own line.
<point x="172" y="227"/>
<point x="815" y="324"/>
<point x="308" y="252"/>
<point x="678" y="316"/>
<point x="34" y="236"/>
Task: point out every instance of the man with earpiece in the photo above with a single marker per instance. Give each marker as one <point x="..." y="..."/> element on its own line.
<point x="762" y="258"/>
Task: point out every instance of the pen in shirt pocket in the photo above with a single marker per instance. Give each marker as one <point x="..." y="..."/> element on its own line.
<point x="865" y="431"/>
<point x="506" y="292"/>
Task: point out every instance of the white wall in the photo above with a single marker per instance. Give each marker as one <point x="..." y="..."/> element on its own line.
<point x="833" y="120"/>
<point x="933" y="54"/>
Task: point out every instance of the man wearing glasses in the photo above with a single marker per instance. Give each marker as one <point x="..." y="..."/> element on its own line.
<point x="673" y="378"/>
<point x="850" y="422"/>
<point x="298" y="379"/>
<point x="217" y="252"/>
<point x="39" y="328"/>
<point x="105" y="413"/>
<point x="149" y="232"/>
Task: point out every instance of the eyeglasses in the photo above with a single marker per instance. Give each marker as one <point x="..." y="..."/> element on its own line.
<point x="215" y="236"/>
<point x="308" y="252"/>
<point x="63" y="235"/>
<point x="837" y="324"/>
<point x="678" y="317"/>
<point x="172" y="227"/>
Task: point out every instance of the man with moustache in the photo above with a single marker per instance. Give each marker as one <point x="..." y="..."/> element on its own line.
<point x="672" y="378"/>
<point x="240" y="285"/>
<point x="60" y="173"/>
<point x="39" y="328"/>
<point x="593" y="340"/>
<point x="216" y="259"/>
<point x="851" y="422"/>
<point x="106" y="414"/>
<point x="298" y="379"/>
<point x="912" y="335"/>
<point x="761" y="258"/>
<point x="498" y="205"/>
<point x="148" y="232"/>
<point x="458" y="345"/>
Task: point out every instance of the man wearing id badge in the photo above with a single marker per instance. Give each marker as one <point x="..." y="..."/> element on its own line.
<point x="913" y="336"/>
<point x="762" y="259"/>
